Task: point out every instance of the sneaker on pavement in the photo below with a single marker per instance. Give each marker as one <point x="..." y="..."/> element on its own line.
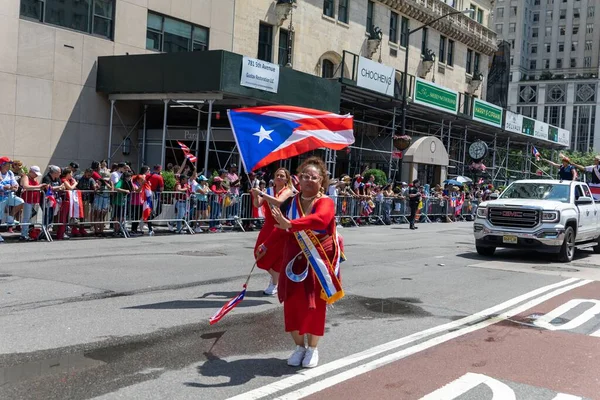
<point x="151" y="233"/>
<point x="198" y="230"/>
<point x="271" y="290"/>
<point x="1" y="239"/>
<point x="297" y="357"/>
<point x="311" y="358"/>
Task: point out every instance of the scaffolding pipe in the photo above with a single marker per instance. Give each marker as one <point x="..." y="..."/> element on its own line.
<point x="208" y="133"/>
<point x="507" y="159"/>
<point x="110" y="132"/>
<point x="449" y="134"/>
<point x="494" y="155"/>
<point x="392" y="144"/>
<point x="198" y="138"/>
<point x="163" y="152"/>
<point x="464" y="157"/>
<point x="144" y="131"/>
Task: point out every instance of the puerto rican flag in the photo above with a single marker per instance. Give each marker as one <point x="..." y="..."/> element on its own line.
<point x="230" y="305"/>
<point x="184" y="147"/>
<point x="272" y="133"/>
<point x="50" y="198"/>
<point x="191" y="157"/>
<point x="187" y="152"/>
<point x="536" y="153"/>
<point x="146" y="197"/>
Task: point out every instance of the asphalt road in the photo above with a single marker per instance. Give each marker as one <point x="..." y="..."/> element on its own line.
<point x="128" y="319"/>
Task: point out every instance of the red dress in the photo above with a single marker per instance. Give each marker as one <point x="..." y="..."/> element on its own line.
<point x="271" y="260"/>
<point x="303" y="308"/>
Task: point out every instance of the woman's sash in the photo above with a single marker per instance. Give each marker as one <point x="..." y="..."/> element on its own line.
<point x="326" y="271"/>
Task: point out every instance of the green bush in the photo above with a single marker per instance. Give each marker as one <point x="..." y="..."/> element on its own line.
<point x="170" y="181"/>
<point x="380" y="176"/>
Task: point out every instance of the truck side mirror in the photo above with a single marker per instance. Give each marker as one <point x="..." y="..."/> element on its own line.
<point x="584" y="200"/>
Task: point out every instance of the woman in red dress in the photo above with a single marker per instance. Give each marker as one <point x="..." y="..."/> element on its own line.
<point x="274" y="196"/>
<point x="306" y="224"/>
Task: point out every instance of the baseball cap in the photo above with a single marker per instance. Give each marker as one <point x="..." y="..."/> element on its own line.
<point x="74" y="165"/>
<point x="202" y="178"/>
<point x="4" y="160"/>
<point x="36" y="169"/>
<point x="223" y="171"/>
<point x="217" y="179"/>
<point x="234" y="165"/>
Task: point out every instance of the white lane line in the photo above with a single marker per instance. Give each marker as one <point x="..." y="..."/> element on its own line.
<point x="309" y="374"/>
<point x="361" y="369"/>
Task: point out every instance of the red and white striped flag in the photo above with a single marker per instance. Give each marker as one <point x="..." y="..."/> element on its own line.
<point x="184" y="147"/>
<point x="230" y="305"/>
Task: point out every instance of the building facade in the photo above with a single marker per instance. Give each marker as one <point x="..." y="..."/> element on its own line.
<point x="51" y="113"/>
<point x="554" y="63"/>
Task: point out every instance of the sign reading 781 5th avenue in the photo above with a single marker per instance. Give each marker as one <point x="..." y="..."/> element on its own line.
<point x="260" y="74"/>
<point x="487" y="113"/>
<point x="435" y="96"/>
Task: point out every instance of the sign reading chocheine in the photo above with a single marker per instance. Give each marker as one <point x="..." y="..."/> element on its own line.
<point x="487" y="113"/>
<point x="259" y="74"/>
<point x="374" y="76"/>
<point x="435" y="96"/>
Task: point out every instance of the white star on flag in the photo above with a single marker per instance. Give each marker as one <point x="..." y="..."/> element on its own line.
<point x="263" y="134"/>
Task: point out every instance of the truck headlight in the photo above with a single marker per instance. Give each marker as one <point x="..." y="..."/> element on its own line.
<point x="550" y="216"/>
<point x="482" y="212"/>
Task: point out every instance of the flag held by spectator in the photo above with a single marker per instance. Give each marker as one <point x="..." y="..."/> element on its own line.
<point x="230" y="305"/>
<point x="536" y="153"/>
<point x="187" y="152"/>
<point x="50" y="198"/>
<point x="272" y="133"/>
<point x="146" y="197"/>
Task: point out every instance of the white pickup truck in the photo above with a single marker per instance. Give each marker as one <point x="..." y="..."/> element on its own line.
<point x="548" y="216"/>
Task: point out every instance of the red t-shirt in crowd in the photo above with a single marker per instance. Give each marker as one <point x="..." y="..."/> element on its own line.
<point x="157" y="183"/>
<point x="96" y="176"/>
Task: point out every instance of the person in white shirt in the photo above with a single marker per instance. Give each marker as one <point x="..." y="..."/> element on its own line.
<point x="116" y="175"/>
<point x="595" y="172"/>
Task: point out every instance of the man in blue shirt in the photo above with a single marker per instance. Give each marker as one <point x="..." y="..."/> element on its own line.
<point x="8" y="187"/>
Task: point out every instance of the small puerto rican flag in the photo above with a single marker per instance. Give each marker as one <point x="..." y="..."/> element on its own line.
<point x="536" y="153"/>
<point x="230" y="305"/>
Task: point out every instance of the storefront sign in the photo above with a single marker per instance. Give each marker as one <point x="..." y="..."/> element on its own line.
<point x="514" y="122"/>
<point x="377" y="77"/>
<point x="487" y="113"/>
<point x="541" y="130"/>
<point x="528" y="126"/>
<point x="564" y="137"/>
<point x="260" y="74"/>
<point x="435" y="96"/>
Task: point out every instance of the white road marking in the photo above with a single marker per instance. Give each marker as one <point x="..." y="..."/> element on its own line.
<point x="361" y="369"/>
<point x="500" y="390"/>
<point x="562" y="396"/>
<point x="545" y="320"/>
<point x="309" y="374"/>
<point x="568" y="271"/>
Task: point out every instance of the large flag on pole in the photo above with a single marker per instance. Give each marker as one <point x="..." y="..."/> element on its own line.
<point x="272" y="133"/>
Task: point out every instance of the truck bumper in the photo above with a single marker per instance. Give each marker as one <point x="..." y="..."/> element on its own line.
<point x="543" y="240"/>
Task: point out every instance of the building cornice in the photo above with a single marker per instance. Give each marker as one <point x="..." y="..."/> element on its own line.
<point x="458" y="27"/>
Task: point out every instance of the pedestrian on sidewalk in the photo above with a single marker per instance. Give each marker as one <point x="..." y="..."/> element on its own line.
<point x="414" y="198"/>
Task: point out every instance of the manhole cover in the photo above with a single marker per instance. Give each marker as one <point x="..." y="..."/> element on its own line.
<point x="5" y="275"/>
<point x="556" y="269"/>
<point x="201" y="253"/>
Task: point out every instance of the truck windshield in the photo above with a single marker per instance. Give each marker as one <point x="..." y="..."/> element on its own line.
<point x="543" y="191"/>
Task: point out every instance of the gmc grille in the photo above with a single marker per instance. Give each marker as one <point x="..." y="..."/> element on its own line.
<point x="514" y="217"/>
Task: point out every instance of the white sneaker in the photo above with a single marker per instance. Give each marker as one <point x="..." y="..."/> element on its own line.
<point x="311" y="358"/>
<point x="151" y="233"/>
<point x="198" y="230"/>
<point x="297" y="356"/>
<point x="1" y="239"/>
<point x="271" y="290"/>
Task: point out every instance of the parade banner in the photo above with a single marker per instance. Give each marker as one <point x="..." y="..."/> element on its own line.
<point x="487" y="113"/>
<point x="435" y="96"/>
<point x="375" y="76"/>
<point x="260" y="74"/>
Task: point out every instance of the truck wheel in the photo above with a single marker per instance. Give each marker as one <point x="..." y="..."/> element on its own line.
<point x="485" y="251"/>
<point x="567" y="251"/>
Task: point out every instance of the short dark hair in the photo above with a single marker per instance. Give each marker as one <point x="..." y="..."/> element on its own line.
<point x="416" y="181"/>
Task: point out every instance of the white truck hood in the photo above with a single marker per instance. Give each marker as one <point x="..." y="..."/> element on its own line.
<point x="541" y="204"/>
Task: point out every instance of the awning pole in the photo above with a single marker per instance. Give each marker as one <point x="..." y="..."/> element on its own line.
<point x="208" y="132"/>
<point x="164" y="136"/>
<point x="110" y="132"/>
<point x="494" y="158"/>
<point x="144" y="136"/>
<point x="198" y="138"/>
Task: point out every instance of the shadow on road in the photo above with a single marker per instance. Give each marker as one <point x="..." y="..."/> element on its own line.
<point x="240" y="372"/>
<point x="190" y="304"/>
<point x="520" y="256"/>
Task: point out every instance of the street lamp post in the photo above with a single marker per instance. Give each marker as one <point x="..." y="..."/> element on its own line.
<point x="405" y="75"/>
